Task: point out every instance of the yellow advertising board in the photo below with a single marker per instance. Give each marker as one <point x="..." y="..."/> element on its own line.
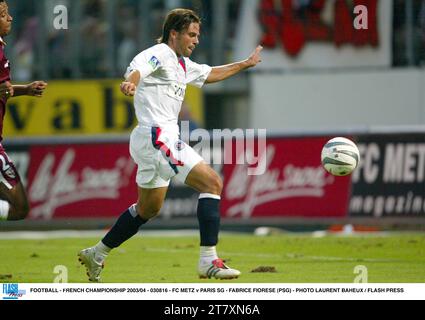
<point x="84" y="107"/>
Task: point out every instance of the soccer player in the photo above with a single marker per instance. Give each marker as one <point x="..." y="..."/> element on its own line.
<point x="13" y="198"/>
<point x="157" y="78"/>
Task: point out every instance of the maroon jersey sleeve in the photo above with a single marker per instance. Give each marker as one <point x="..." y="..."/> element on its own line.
<point x="4" y="76"/>
<point x="4" y="66"/>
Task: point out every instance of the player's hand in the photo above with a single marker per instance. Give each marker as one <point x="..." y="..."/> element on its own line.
<point x="255" y="57"/>
<point x="6" y="90"/>
<point x="36" y="88"/>
<point x="128" y="88"/>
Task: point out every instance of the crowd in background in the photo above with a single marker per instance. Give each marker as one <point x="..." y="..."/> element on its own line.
<point x="104" y="35"/>
<point x="409" y="32"/>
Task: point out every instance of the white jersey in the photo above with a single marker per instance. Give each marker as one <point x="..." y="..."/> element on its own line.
<point x="162" y="87"/>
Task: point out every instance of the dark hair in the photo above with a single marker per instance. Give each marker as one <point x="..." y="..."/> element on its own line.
<point x="179" y="20"/>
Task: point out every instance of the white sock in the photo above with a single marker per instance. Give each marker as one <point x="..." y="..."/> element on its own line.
<point x="102" y="252"/>
<point x="207" y="255"/>
<point x="4" y="210"/>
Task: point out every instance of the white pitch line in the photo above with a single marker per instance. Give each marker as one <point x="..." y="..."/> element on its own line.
<point x="276" y="256"/>
<point x="40" y="235"/>
<point x="37" y="235"/>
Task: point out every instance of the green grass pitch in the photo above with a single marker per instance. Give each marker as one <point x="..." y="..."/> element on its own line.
<point x="294" y="258"/>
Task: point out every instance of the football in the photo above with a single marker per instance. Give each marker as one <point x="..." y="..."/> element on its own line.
<point x="340" y="156"/>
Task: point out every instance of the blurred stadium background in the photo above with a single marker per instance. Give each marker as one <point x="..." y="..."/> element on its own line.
<point x="320" y="78"/>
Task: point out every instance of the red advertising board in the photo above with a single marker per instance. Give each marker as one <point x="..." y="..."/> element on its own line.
<point x="80" y="181"/>
<point x="98" y="181"/>
<point x="294" y="183"/>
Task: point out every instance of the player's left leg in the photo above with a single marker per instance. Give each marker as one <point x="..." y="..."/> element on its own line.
<point x="205" y="180"/>
<point x="184" y="163"/>
<point x="14" y="202"/>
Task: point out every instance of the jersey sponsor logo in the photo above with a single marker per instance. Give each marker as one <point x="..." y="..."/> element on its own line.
<point x="154" y="62"/>
<point x="177" y="90"/>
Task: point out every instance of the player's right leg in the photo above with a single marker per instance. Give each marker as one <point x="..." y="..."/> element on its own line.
<point x="151" y="194"/>
<point x="128" y="224"/>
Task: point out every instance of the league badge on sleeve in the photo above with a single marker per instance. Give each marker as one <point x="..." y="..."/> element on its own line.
<point x="154" y="62"/>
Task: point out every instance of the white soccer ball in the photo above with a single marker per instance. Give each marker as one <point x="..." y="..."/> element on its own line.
<point x="340" y="156"/>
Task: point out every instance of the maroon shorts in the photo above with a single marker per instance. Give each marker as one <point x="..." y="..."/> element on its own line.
<point x="7" y="168"/>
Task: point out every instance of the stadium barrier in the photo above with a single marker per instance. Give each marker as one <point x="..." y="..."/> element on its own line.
<point x="87" y="182"/>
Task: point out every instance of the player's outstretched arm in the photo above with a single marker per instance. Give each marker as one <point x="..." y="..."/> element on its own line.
<point x="223" y="72"/>
<point x="33" y="89"/>
<point x="128" y="87"/>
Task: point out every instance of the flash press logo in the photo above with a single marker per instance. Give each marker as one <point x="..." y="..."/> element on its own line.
<point x="11" y="291"/>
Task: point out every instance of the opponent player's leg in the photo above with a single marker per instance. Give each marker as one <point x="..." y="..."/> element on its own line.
<point x="14" y="203"/>
<point x="128" y="224"/>
<point x="205" y="180"/>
